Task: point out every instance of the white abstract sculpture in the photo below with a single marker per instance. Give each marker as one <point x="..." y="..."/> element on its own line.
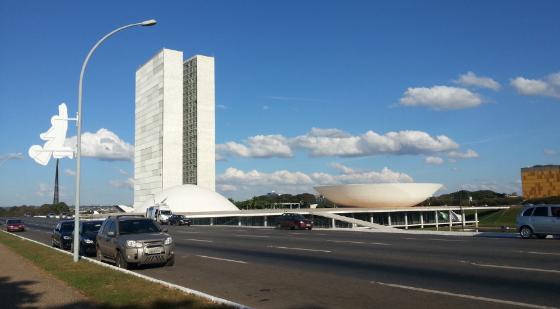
<point x="54" y="138"/>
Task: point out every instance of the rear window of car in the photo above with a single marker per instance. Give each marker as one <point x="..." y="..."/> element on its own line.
<point x="540" y="212"/>
<point x="91" y="227"/>
<point x="528" y="212"/>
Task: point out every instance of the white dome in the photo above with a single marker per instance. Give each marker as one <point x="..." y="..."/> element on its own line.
<point x="189" y="198"/>
<point x="380" y="195"/>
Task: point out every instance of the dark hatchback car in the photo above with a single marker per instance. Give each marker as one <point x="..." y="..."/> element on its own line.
<point x="293" y="221"/>
<point x="15" y="225"/>
<point x="88" y="235"/>
<point x="62" y="234"/>
<point x="179" y="220"/>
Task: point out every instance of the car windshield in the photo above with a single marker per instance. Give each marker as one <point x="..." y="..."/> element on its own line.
<point x="165" y="212"/>
<point x="14" y="221"/>
<point x="180" y="217"/>
<point x="299" y="217"/>
<point x="91" y="227"/>
<point x="137" y="226"/>
<point x="67" y="227"/>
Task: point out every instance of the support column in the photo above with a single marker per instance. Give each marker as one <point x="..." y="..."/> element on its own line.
<point x="333" y="223"/>
<point x="211" y="221"/>
<point x="265" y="221"/>
<point x="463" y="219"/>
<point x="389" y="218"/>
<point x="449" y="216"/>
<point x="238" y="221"/>
<point x="476" y="220"/>
<point x="437" y="220"/>
<point x="421" y="220"/>
<point x="406" y="221"/>
<point x="371" y="218"/>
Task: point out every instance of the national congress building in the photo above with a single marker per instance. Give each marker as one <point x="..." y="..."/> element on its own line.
<point x="174" y="124"/>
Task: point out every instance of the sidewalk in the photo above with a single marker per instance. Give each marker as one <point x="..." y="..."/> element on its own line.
<point x="24" y="285"/>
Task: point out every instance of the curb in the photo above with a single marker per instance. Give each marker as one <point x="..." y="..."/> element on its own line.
<point x="183" y="289"/>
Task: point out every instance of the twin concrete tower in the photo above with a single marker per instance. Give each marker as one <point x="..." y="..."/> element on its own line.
<point x="174" y="124"/>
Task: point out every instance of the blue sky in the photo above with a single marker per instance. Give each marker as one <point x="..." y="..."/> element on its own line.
<point x="462" y="93"/>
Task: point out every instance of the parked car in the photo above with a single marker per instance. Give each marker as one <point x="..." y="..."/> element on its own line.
<point x="62" y="235"/>
<point x="51" y="215"/>
<point x="88" y="236"/>
<point x="134" y="240"/>
<point x="293" y="221"/>
<point x="15" y="225"/>
<point x="179" y="220"/>
<point x="539" y="221"/>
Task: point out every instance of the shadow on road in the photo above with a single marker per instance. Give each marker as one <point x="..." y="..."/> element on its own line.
<point x="15" y="294"/>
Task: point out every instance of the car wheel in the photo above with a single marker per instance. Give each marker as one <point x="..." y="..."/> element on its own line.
<point x="170" y="262"/>
<point x="525" y="232"/>
<point x="121" y="262"/>
<point x="541" y="236"/>
<point x="99" y="255"/>
<point x="52" y="243"/>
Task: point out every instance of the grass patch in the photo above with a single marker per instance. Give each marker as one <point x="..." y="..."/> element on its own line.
<point x="105" y="287"/>
<point x="498" y="218"/>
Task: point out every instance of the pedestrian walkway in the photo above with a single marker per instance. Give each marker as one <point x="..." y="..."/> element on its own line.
<point x="24" y="285"/>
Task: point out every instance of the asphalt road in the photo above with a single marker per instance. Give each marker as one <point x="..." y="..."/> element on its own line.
<point x="266" y="268"/>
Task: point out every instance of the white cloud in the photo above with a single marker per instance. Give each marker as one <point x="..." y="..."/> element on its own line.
<point x="441" y="98"/>
<point x="44" y="190"/>
<point x="469" y="154"/>
<point x="122" y="172"/>
<point x="103" y="145"/>
<point x="433" y="160"/>
<point x="249" y="183"/>
<point x="128" y="183"/>
<point x="470" y="79"/>
<point x="69" y="172"/>
<point x="259" y="146"/>
<point x="221" y="106"/>
<point x="10" y="156"/>
<point x="549" y="86"/>
<point x="550" y="152"/>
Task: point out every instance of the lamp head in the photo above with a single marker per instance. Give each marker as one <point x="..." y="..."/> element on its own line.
<point x="148" y="23"/>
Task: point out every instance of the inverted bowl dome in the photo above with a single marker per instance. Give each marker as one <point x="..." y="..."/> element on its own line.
<point x="189" y="198"/>
<point x="379" y="195"/>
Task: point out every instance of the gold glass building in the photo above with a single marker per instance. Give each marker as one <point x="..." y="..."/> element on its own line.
<point x="540" y="181"/>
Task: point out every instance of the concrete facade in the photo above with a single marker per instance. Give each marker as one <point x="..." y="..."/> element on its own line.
<point x="540" y="181"/>
<point x="174" y="124"/>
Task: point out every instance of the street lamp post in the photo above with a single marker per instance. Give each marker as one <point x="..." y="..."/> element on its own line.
<point x="146" y="23"/>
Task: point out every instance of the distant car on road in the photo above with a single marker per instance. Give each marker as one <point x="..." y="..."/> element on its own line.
<point x="62" y="235"/>
<point x="179" y="220"/>
<point x="539" y="221"/>
<point x="134" y="240"/>
<point x="51" y="215"/>
<point x="15" y="225"/>
<point x="293" y="221"/>
<point x="88" y="236"/>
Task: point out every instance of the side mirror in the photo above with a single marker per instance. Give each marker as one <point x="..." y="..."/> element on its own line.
<point x="111" y="234"/>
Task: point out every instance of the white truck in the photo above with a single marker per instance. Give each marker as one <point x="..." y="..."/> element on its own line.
<point x="159" y="213"/>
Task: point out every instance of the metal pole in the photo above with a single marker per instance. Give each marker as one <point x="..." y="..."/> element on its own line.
<point x="79" y="133"/>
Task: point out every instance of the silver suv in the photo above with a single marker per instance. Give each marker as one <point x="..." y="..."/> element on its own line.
<point x="539" y="220"/>
<point x="134" y="240"/>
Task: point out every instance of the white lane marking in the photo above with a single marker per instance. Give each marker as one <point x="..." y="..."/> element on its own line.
<point x="221" y="259"/>
<point x="442" y="239"/>
<point x="300" y="249"/>
<point x="201" y="240"/>
<point x="245" y="235"/>
<point x="185" y="232"/>
<point x="358" y="242"/>
<point x="410" y="238"/>
<point x="540" y="253"/>
<point x="322" y="234"/>
<point x="486" y="299"/>
<point x="514" y="267"/>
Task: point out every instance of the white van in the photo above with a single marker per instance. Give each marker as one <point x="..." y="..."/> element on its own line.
<point x="160" y="214"/>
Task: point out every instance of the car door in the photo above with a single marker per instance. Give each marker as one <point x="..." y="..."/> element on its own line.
<point x="540" y="219"/>
<point x="555" y="219"/>
<point x="56" y="235"/>
<point x="104" y="238"/>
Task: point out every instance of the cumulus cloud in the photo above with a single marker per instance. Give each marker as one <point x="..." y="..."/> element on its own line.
<point x="433" y="160"/>
<point x="103" y="145"/>
<point x="550" y="152"/>
<point x="469" y="154"/>
<point x="441" y="98"/>
<point x="10" y="156"/>
<point x="69" y="172"/>
<point x="470" y="79"/>
<point x="127" y="183"/>
<point x="548" y="86"/>
<point x="254" y="182"/>
<point x="334" y="142"/>
<point x="259" y="146"/>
